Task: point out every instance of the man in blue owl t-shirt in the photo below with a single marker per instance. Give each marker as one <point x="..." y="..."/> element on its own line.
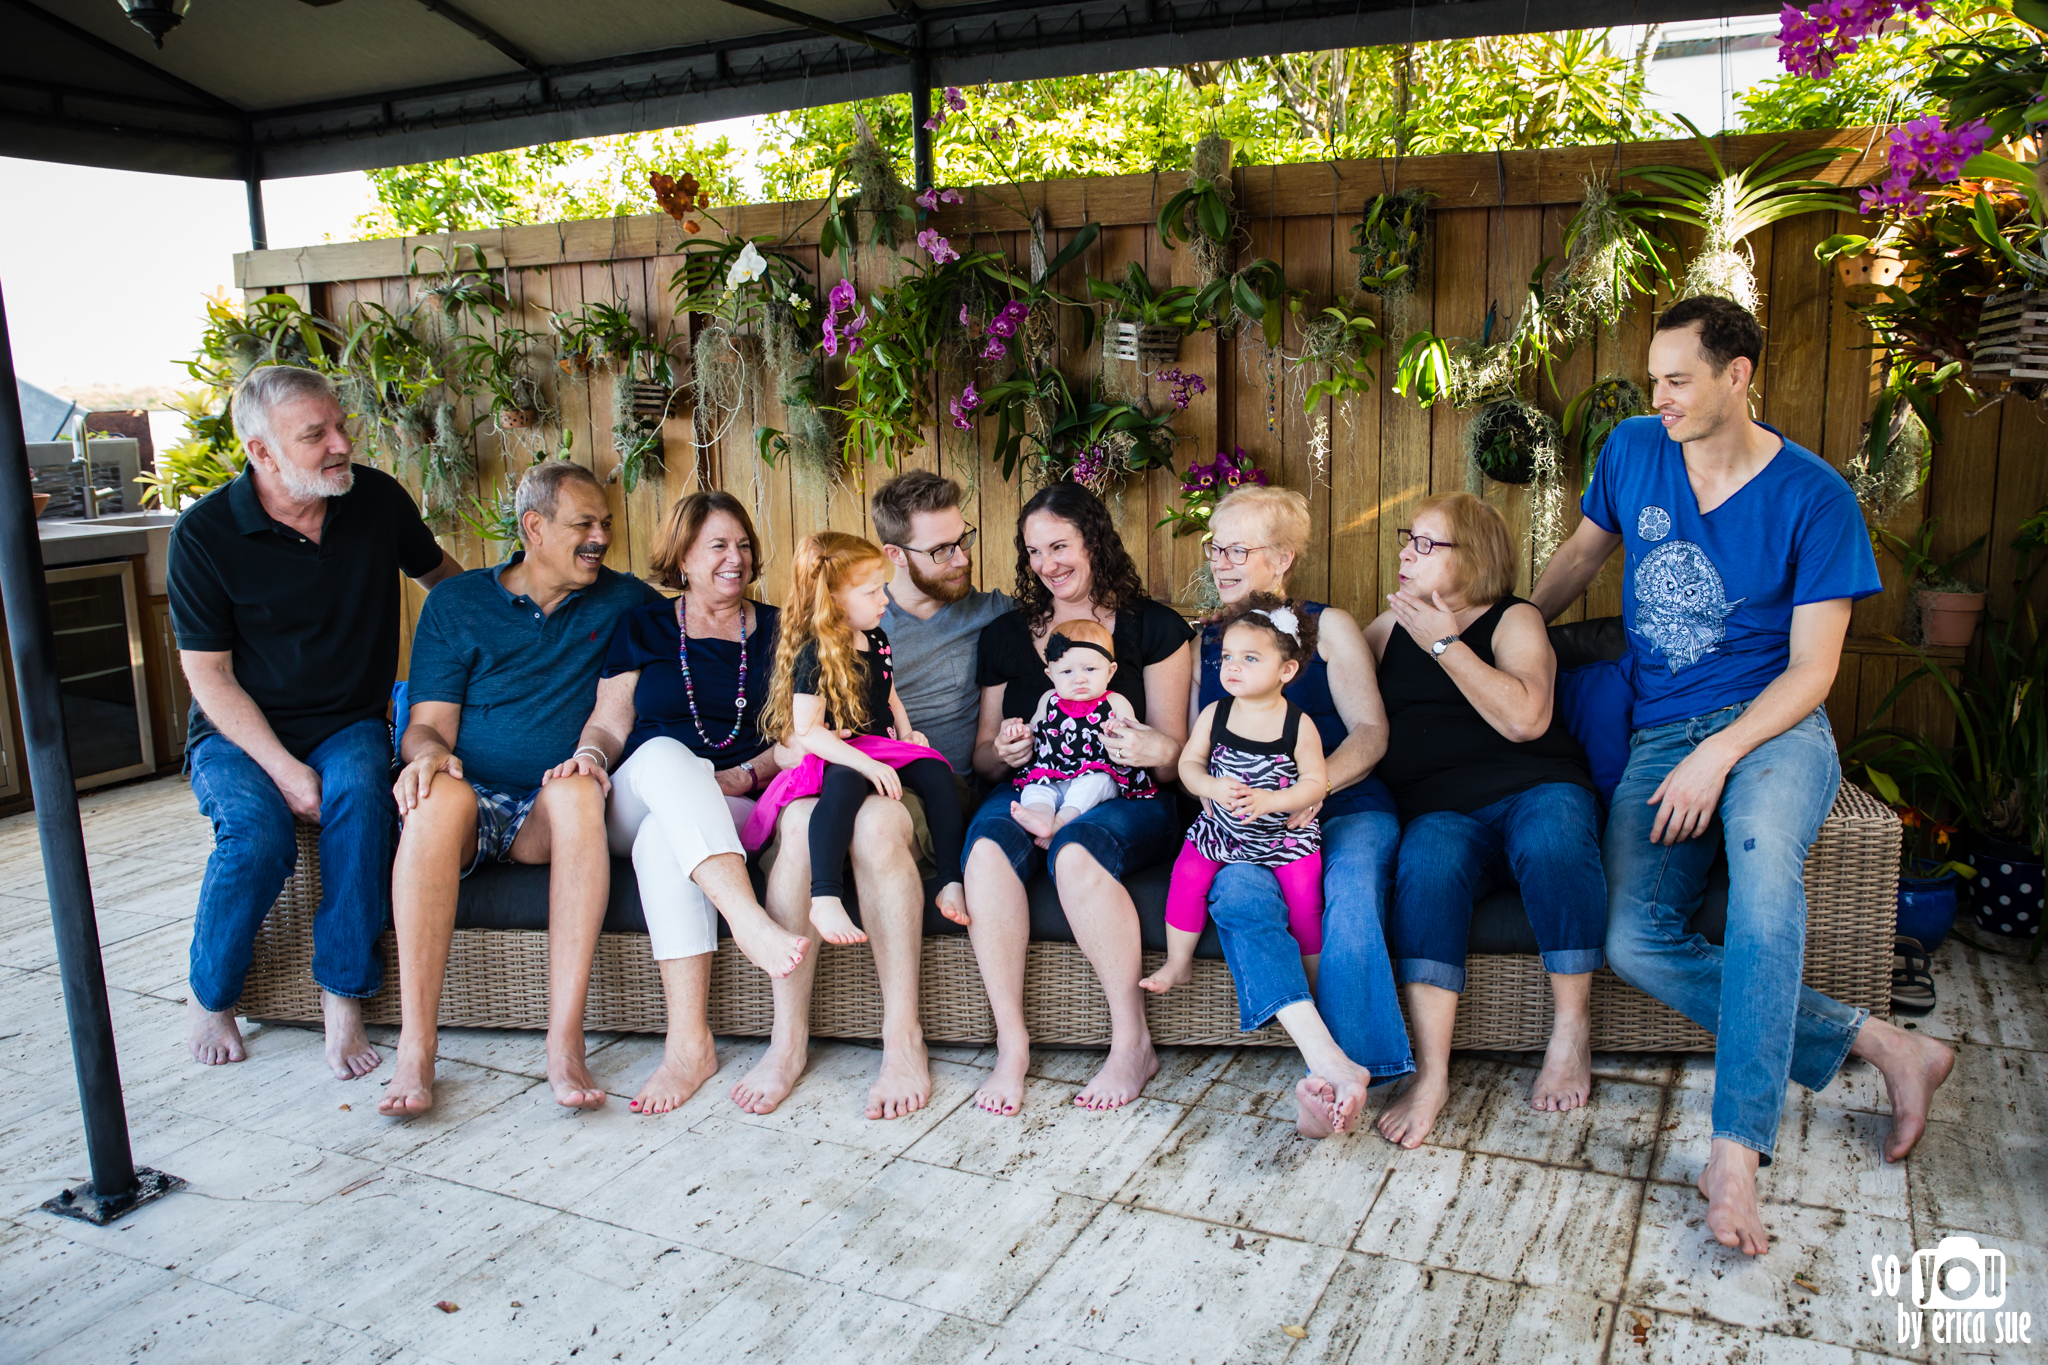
<point x="1744" y="552"/>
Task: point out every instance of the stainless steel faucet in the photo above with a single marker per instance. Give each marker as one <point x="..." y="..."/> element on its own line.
<point x="82" y="460"/>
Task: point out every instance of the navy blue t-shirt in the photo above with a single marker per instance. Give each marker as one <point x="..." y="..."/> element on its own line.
<point x="526" y="681"/>
<point x="646" y="640"/>
<point x="1708" y="598"/>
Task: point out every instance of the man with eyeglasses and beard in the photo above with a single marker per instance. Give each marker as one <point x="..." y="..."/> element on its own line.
<point x="934" y="622"/>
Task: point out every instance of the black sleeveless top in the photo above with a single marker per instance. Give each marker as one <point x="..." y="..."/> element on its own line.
<point x="1441" y="753"/>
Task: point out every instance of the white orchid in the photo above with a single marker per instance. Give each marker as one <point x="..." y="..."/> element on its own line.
<point x="797" y="301"/>
<point x="749" y="266"/>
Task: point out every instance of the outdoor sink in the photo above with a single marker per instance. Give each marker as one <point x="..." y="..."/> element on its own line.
<point x="149" y="520"/>
<point x="79" y="540"/>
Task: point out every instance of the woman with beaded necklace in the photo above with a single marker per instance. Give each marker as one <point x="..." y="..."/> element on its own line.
<point x="675" y="726"/>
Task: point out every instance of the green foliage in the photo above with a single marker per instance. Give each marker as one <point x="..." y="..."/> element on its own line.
<point x="1389" y="241"/>
<point x="1510" y="440"/>
<point x="1878" y="83"/>
<point x="1341" y="340"/>
<point x="503" y="368"/>
<point x="1591" y="417"/>
<point x="1257" y="294"/>
<point x="1134" y="299"/>
<point x="1926" y="569"/>
<point x="1091" y="437"/>
<point x="555" y="181"/>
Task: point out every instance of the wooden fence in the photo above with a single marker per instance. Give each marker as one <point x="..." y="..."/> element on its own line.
<point x="1496" y="218"/>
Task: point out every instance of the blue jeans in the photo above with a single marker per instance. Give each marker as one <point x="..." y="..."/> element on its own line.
<point x="254" y="850"/>
<point x="1354" y="991"/>
<point x="1123" y="835"/>
<point x="1767" y="1026"/>
<point x="1546" y="840"/>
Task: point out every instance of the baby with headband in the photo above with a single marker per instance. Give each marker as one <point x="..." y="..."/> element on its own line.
<point x="1070" y="769"/>
<point x="1256" y="761"/>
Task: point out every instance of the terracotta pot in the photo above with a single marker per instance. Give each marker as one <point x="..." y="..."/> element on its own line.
<point x="518" y="419"/>
<point x="1949" y="618"/>
<point x="1873" y="270"/>
<point x="42" y="501"/>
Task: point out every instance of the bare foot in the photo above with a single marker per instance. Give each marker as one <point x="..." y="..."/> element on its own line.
<point x="213" y="1035"/>
<point x="768" y="945"/>
<point x="771" y="1079"/>
<point x="904" y="1084"/>
<point x="1408" y="1120"/>
<point x="410" y="1090"/>
<point x="952" y="902"/>
<point x="573" y="1086"/>
<point x="1037" y="820"/>
<point x="1169" y="975"/>
<point x="829" y="918"/>
<point x="1914" y="1068"/>
<point x="349" y="1054"/>
<point x="1121" y="1079"/>
<point x="1729" y="1183"/>
<point x="1327" y="1107"/>
<point x="682" y="1070"/>
<point x="1566" y="1080"/>
<point x="1003" y="1091"/>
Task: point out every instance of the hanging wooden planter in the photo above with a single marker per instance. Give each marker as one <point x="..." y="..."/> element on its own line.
<point x="649" y="399"/>
<point x="2012" y="337"/>
<point x="1146" y="345"/>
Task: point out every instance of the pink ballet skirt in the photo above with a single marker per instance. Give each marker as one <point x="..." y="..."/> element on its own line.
<point x="807" y="779"/>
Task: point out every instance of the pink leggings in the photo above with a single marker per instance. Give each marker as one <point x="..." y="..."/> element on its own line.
<point x="1301" y="886"/>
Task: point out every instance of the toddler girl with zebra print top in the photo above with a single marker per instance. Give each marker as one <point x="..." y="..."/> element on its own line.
<point x="1257" y="763"/>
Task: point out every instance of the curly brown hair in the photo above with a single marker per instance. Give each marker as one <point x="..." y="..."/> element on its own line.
<point x="1117" y="586"/>
<point x="827" y="562"/>
<point x="1257" y="611"/>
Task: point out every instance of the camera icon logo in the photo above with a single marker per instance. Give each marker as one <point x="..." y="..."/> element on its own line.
<point x="1958" y="1274"/>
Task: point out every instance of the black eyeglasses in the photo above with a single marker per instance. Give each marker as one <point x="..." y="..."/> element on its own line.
<point x="1423" y="544"/>
<point x="945" y="554"/>
<point x="1236" y="554"/>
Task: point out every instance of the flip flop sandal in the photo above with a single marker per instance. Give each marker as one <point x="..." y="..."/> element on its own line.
<point x="1912" y="979"/>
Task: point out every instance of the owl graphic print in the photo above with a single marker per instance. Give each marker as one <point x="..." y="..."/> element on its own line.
<point x="1708" y="596"/>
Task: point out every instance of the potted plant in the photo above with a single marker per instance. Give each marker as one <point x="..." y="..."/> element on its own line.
<point x="1510" y="439"/>
<point x="1203" y="213"/>
<point x="1929" y="870"/>
<point x="1949" y="607"/>
<point x="1864" y="262"/>
<point x="502" y="370"/>
<point x="1340" y="340"/>
<point x="1593" y="415"/>
<point x="1389" y="242"/>
<point x="1145" y="324"/>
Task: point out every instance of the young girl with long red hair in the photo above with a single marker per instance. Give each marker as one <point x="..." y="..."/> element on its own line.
<point x="832" y="673"/>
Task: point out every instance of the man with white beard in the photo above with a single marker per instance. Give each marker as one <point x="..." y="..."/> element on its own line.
<point x="284" y="596"/>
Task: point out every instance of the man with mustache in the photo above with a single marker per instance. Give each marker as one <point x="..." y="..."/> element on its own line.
<point x="934" y="623"/>
<point x="284" y="596"/>
<point x="504" y="674"/>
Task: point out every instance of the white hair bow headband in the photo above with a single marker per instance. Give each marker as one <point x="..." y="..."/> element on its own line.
<point x="1283" y="620"/>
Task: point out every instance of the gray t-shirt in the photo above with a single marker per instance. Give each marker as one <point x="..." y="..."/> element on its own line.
<point x="935" y="662"/>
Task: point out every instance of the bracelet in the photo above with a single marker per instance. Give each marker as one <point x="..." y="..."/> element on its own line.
<point x="594" y="752"/>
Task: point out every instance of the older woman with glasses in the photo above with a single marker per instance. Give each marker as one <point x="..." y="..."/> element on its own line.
<point x="1492" y="789"/>
<point x="1346" y="1019"/>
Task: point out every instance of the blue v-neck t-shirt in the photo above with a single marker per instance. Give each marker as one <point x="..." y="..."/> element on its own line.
<point x="1708" y="598"/>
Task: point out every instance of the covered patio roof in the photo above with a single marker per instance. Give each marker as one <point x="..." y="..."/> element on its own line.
<point x="263" y="89"/>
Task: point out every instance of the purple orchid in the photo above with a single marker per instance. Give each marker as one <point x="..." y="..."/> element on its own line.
<point x="941" y="250"/>
<point x="1811" y="41"/>
<point x="956" y="101"/>
<point x="963" y="406"/>
<point x="1185" y="386"/>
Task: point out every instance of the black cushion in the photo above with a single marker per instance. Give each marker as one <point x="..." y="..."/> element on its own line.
<point x="1578" y="643"/>
<point x="1501" y="925"/>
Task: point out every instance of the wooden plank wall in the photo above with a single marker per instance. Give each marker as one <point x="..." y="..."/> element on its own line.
<point x="1497" y="217"/>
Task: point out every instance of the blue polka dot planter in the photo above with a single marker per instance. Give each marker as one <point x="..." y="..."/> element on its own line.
<point x="2008" y="893"/>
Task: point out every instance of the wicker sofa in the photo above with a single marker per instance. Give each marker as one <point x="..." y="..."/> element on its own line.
<point x="497" y="970"/>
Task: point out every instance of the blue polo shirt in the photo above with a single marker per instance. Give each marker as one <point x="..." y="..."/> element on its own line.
<point x="526" y="680"/>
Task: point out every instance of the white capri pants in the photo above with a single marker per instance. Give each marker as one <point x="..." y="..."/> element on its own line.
<point x="667" y="811"/>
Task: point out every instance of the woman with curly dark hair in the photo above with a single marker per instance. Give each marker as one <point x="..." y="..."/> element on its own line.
<point x="1072" y="566"/>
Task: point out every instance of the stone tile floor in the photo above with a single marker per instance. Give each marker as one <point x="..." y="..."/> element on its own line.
<point x="1192" y="1226"/>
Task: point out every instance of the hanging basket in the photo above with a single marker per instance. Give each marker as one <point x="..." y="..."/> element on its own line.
<point x="1151" y="346"/>
<point x="1507" y="437"/>
<point x="518" y="419"/>
<point x="649" y="399"/>
<point x="1874" y="270"/>
<point x="2012" y="337"/>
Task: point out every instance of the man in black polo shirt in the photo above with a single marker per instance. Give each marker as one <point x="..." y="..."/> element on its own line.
<point x="284" y="595"/>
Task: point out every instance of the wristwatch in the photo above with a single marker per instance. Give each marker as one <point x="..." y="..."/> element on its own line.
<point x="1437" y="650"/>
<point x="753" y="778"/>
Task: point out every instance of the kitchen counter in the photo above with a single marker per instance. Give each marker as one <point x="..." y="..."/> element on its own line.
<point x="76" y="541"/>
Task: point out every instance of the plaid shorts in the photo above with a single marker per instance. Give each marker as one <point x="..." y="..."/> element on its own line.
<point x="499" y="816"/>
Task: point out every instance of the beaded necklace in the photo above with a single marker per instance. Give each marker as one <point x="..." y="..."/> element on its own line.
<point x="690" y="689"/>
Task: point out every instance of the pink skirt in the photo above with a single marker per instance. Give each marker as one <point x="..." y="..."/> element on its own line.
<point x="808" y="779"/>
